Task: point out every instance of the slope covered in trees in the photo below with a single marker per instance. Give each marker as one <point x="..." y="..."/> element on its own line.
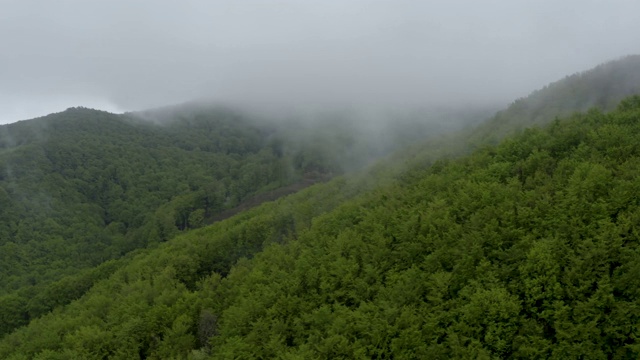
<point x="602" y="87"/>
<point x="527" y="249"/>
<point x="82" y="187"/>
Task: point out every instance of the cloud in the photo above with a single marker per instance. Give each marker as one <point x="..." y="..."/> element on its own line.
<point x="137" y="54"/>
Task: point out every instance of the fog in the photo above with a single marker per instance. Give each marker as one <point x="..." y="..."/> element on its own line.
<point x="125" y="55"/>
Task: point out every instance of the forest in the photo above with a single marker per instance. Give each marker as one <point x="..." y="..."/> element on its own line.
<point x="83" y="188"/>
<point x="515" y="238"/>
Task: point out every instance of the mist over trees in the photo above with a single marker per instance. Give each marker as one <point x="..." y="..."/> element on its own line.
<point x="83" y="187"/>
<point x="524" y="249"/>
<point x="602" y="87"/>
<point x="123" y="55"/>
<point x="421" y="238"/>
<point x="293" y="179"/>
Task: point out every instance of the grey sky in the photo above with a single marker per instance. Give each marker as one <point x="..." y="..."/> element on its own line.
<point x="121" y="55"/>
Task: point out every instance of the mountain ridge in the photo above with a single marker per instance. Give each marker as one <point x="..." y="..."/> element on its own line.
<point x="463" y="251"/>
<point x="226" y="271"/>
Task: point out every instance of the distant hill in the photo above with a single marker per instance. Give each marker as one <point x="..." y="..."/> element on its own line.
<point x="602" y="87"/>
<point x="84" y="186"/>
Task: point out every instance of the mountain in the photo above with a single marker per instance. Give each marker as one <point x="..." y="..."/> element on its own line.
<point x="522" y="249"/>
<point x="90" y="186"/>
<point x="602" y="87"/>
<point x="83" y="188"/>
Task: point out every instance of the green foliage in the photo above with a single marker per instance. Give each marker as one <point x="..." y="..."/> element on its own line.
<point x="141" y="305"/>
<point x="82" y="187"/>
<point x="524" y="250"/>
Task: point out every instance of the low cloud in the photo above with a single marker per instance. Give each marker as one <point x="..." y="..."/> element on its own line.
<point x="128" y="55"/>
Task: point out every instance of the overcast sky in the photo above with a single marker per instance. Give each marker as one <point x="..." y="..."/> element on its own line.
<point x="121" y="55"/>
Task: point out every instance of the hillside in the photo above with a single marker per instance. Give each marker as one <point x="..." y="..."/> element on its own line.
<point x="82" y="187"/>
<point x="602" y="87"/>
<point x="520" y="249"/>
<point x="523" y="250"/>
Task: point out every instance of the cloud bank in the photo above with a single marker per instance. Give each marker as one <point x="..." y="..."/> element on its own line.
<point x="127" y="55"/>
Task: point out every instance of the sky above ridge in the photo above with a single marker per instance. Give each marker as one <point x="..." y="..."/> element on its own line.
<point x="123" y="55"/>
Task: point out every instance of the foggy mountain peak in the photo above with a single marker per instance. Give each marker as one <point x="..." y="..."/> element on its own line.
<point x="127" y="55"/>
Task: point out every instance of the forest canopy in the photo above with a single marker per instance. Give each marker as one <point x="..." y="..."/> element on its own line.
<point x="515" y="239"/>
<point x="527" y="249"/>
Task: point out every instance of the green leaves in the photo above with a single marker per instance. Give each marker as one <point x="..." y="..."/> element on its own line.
<point x="528" y="249"/>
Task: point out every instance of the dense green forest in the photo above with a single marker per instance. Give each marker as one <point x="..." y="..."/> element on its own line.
<point x="524" y="248"/>
<point x="83" y="187"/>
<point x="528" y="249"/>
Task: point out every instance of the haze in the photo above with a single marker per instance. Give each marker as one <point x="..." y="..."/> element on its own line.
<point x="124" y="55"/>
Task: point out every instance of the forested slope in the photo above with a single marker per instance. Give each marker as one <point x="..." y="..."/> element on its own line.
<point x="80" y="187"/>
<point x="83" y="187"/>
<point x="602" y="87"/>
<point x="528" y="249"/>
